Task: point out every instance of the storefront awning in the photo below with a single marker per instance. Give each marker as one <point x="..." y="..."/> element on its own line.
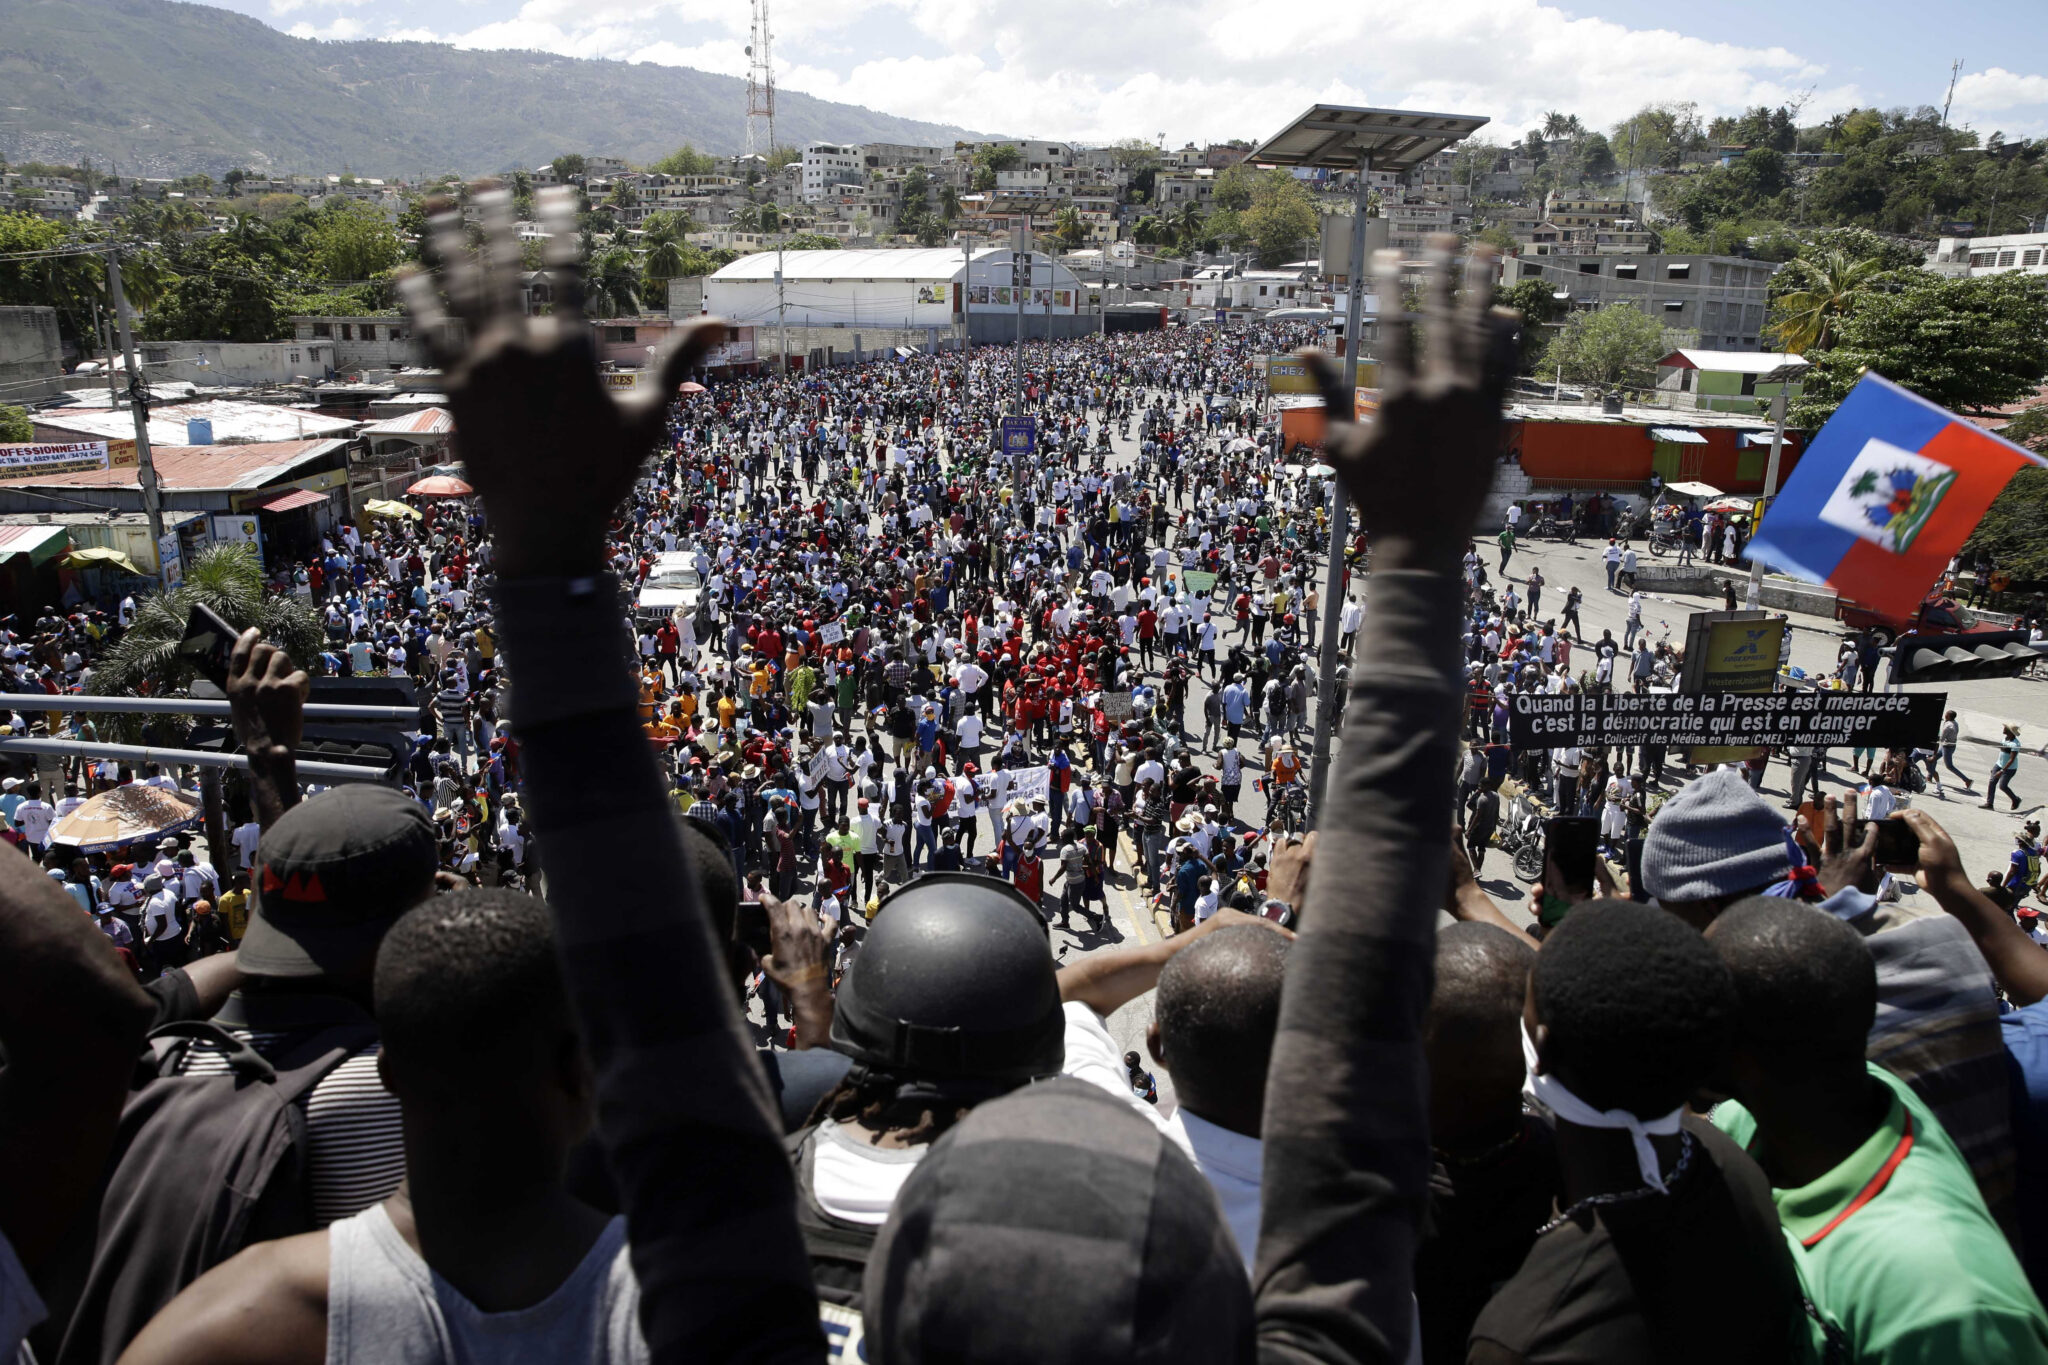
<point x="289" y="499"/>
<point x="1677" y="436"/>
<point x="1763" y="438"/>
<point x="40" y="543"/>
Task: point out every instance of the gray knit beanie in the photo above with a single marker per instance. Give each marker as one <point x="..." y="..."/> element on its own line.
<point x="1716" y="837"/>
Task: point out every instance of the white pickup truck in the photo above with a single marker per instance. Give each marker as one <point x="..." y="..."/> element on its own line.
<point x="672" y="585"/>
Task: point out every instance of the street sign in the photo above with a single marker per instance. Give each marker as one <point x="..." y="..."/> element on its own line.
<point x="1020" y="435"/>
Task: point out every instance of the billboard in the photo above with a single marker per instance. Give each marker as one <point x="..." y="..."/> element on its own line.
<point x="30" y="461"/>
<point x="1731" y="651"/>
<point x="1712" y="721"/>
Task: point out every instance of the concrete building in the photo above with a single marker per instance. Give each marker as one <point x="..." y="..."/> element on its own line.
<point x="900" y="156"/>
<point x="360" y="343"/>
<point x="827" y="165"/>
<point x="278" y="496"/>
<point x="1409" y="225"/>
<point x="1969" y="256"/>
<point x="848" y="301"/>
<point x="1720" y="299"/>
<point x="31" y="355"/>
<point x="220" y="364"/>
<point x="1724" y="381"/>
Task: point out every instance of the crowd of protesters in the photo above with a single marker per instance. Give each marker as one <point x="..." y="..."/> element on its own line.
<point x="1740" y="1106"/>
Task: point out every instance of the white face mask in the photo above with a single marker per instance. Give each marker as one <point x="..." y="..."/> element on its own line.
<point x="1552" y="1093"/>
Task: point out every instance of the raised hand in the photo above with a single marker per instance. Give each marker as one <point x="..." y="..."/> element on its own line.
<point x="549" y="448"/>
<point x="1420" y="471"/>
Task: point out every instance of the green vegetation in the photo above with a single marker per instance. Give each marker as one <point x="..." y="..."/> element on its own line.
<point x="686" y="160"/>
<point x="227" y="579"/>
<point x="1609" y="349"/>
<point x="1967" y="344"/>
<point x="14" y="424"/>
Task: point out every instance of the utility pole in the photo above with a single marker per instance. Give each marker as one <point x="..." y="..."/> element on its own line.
<point x="1020" y="281"/>
<point x="1340" y="507"/>
<point x="1783" y="376"/>
<point x="145" y="473"/>
<point x="781" y="321"/>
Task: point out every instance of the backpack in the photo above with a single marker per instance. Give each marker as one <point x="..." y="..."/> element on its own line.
<point x="201" y="1167"/>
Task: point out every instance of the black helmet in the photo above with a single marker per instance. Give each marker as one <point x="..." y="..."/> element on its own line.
<point x="953" y="980"/>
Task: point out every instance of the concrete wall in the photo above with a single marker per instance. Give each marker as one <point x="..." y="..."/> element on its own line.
<point x="236" y="362"/>
<point x="31" y="355"/>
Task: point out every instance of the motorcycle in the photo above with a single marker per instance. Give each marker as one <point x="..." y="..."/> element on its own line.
<point x="1520" y="836"/>
<point x="1663" y="542"/>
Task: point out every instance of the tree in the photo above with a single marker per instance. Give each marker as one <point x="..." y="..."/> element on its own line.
<point x="1499" y="237"/>
<point x="949" y="205"/>
<point x="1233" y="190"/>
<point x="813" y="241"/>
<point x="1609" y="348"/>
<point x="783" y="156"/>
<point x="668" y="223"/>
<point x="146" y="659"/>
<point x="1132" y="155"/>
<point x="570" y="167"/>
<point x="930" y="231"/>
<point x="1967" y="344"/>
<point x="983" y="179"/>
<point x="612" y="285"/>
<point x="916" y="185"/>
<point x="999" y="156"/>
<point x="351" y="241"/>
<point x="69" y="284"/>
<point x="686" y="160"/>
<point x="1536" y="300"/>
<point x="1280" y="217"/>
<point x="2015" y="527"/>
<point x="14" y="424"/>
<point x="1068" y="228"/>
<point x="1805" y="318"/>
<point x="1151" y="230"/>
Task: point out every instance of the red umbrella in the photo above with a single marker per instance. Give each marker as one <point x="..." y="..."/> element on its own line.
<point x="690" y="386"/>
<point x="441" y="486"/>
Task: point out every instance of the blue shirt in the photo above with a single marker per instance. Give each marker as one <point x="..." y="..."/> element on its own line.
<point x="2025" y="1033"/>
<point x="1234" y="704"/>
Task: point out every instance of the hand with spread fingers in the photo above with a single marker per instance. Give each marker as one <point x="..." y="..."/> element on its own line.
<point x="548" y="446"/>
<point x="1419" y="472"/>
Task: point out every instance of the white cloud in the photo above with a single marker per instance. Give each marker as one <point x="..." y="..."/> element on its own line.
<point x="2001" y="100"/>
<point x="411" y="35"/>
<point x="340" y="31"/>
<point x="294" y="6"/>
<point x="1206" y="68"/>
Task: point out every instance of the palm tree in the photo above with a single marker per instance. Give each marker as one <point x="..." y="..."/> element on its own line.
<point x="145" y="660"/>
<point x="949" y="205"/>
<point x="1556" y="124"/>
<point x="612" y="285"/>
<point x="1808" y="317"/>
<point x="1068" y="227"/>
<point x="1150" y="231"/>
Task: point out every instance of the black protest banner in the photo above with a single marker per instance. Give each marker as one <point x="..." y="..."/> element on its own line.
<point x="1895" y="719"/>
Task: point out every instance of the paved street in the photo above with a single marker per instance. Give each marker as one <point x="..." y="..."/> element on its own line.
<point x="1985" y="837"/>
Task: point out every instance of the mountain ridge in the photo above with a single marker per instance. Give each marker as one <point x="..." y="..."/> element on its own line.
<point x="161" y="87"/>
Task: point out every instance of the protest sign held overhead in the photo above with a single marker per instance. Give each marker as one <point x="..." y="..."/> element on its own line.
<point x="1887" y="493"/>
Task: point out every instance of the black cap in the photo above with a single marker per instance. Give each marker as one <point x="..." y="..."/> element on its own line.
<point x="331" y="876"/>
<point x="1062" y="1194"/>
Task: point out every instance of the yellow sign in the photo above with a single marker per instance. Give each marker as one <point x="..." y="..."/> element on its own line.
<point x="1739" y="655"/>
<point x="1288" y="374"/>
<point x="121" y="453"/>
<point x="622" y="379"/>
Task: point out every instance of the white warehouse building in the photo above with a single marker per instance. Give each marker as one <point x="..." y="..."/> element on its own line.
<point x="918" y="288"/>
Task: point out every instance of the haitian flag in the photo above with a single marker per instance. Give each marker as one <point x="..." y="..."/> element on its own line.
<point x="1884" y="497"/>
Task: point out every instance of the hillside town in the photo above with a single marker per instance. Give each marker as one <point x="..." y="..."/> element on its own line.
<point x="1392" y="739"/>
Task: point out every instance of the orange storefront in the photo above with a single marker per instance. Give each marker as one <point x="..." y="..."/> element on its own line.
<point x="1596" y="454"/>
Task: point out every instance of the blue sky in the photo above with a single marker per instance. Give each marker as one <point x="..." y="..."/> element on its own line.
<point x="1209" y="69"/>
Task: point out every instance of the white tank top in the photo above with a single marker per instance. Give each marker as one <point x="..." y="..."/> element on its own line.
<point x="385" y="1305"/>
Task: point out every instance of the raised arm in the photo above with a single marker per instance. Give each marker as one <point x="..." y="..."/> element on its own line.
<point x="71" y="1021"/>
<point x="684" y="1110"/>
<point x="1346" y="1123"/>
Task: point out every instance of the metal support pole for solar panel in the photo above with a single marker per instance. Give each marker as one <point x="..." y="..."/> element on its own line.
<point x="133" y="754"/>
<point x="1340" y="512"/>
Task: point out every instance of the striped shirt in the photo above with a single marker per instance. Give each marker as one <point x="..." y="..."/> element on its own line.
<point x="355" y="1148"/>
